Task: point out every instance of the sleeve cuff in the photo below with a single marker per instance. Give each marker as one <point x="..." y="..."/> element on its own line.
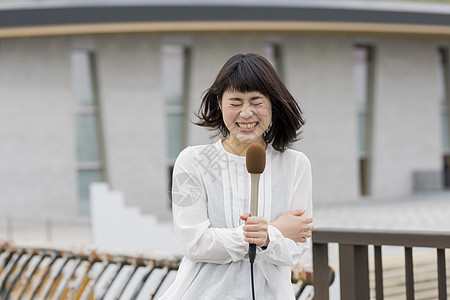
<point x="240" y="233"/>
<point x="274" y="236"/>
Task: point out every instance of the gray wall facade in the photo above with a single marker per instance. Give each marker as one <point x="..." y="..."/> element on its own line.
<point x="406" y="115"/>
<point x="134" y="119"/>
<point x="37" y="113"/>
<point x="37" y="148"/>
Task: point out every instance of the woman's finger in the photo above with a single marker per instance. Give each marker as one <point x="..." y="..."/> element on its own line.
<point x="244" y="217"/>
<point x="255" y="228"/>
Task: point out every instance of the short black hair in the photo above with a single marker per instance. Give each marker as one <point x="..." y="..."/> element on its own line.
<point x="253" y="73"/>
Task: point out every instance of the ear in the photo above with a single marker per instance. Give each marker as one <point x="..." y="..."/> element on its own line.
<point x="219" y="102"/>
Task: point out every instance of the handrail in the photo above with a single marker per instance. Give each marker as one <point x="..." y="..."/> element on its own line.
<point x="433" y="239"/>
<point x="353" y="259"/>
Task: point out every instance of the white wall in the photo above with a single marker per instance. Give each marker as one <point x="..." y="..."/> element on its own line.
<point x="319" y="73"/>
<point x="134" y="119"/>
<point x="407" y="133"/>
<point x="37" y="142"/>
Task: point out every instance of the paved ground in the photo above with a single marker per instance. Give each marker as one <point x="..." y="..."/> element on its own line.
<point x="421" y="212"/>
<point x="424" y="212"/>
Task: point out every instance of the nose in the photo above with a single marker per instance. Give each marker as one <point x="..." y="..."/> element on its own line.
<point x="246" y="112"/>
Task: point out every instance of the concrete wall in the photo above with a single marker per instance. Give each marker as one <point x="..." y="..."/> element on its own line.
<point x="319" y="74"/>
<point x="133" y="111"/>
<point x="37" y="144"/>
<point x="407" y="133"/>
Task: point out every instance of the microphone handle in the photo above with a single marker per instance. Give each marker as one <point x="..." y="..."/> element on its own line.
<point x="254" y="194"/>
<point x="253" y="210"/>
<point x="252" y="253"/>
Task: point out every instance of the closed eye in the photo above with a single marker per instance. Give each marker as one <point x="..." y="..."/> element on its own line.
<point x="236" y="102"/>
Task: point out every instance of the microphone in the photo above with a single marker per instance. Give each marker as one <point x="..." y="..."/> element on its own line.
<point x="255" y="161"/>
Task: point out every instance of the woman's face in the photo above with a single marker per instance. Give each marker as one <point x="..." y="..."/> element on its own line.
<point x="246" y="115"/>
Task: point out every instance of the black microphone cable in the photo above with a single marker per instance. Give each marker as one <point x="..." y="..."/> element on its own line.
<point x="251" y="256"/>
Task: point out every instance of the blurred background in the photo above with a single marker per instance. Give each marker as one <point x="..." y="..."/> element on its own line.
<point x="105" y="92"/>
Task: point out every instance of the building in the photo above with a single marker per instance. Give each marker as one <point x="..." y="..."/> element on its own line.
<point x="105" y="91"/>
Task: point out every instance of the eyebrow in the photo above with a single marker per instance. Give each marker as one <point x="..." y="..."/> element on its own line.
<point x="240" y="99"/>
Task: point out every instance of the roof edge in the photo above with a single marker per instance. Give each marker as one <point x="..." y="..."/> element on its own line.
<point x="221" y="26"/>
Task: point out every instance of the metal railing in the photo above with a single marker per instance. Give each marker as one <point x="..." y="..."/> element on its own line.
<point x="354" y="260"/>
<point x="41" y="272"/>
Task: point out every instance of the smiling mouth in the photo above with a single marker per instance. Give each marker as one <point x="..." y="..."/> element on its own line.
<point x="247" y="125"/>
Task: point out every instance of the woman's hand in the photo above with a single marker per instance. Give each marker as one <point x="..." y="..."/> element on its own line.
<point x="294" y="226"/>
<point x="255" y="230"/>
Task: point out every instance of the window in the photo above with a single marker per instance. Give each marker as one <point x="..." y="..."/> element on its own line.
<point x="363" y="78"/>
<point x="90" y="164"/>
<point x="444" y="82"/>
<point x="175" y="68"/>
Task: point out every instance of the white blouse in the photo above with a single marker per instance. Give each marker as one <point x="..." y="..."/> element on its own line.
<point x="211" y="190"/>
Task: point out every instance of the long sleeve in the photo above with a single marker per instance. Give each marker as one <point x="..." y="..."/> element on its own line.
<point x="284" y="251"/>
<point x="199" y="241"/>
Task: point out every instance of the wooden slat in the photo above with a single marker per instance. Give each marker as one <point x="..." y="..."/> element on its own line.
<point x="378" y="273"/>
<point x="321" y="273"/>
<point x="354" y="272"/>
<point x="409" y="273"/>
<point x="362" y="272"/>
<point x="442" y="278"/>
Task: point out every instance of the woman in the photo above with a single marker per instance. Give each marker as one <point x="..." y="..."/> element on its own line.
<point x="247" y="103"/>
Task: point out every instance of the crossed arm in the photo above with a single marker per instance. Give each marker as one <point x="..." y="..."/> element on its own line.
<point x="292" y="225"/>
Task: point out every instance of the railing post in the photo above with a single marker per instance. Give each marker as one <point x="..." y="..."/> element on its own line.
<point x="378" y="273"/>
<point x="442" y="278"/>
<point x="409" y="273"/>
<point x="321" y="272"/>
<point x="354" y="272"/>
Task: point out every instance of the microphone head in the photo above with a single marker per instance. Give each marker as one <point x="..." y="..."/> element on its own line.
<point x="255" y="159"/>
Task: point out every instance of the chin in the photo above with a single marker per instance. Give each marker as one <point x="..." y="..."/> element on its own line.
<point x="248" y="139"/>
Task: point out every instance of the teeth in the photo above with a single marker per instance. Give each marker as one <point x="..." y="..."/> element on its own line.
<point x="247" y="126"/>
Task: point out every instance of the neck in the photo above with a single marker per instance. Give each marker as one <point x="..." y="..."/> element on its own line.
<point x="236" y="147"/>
